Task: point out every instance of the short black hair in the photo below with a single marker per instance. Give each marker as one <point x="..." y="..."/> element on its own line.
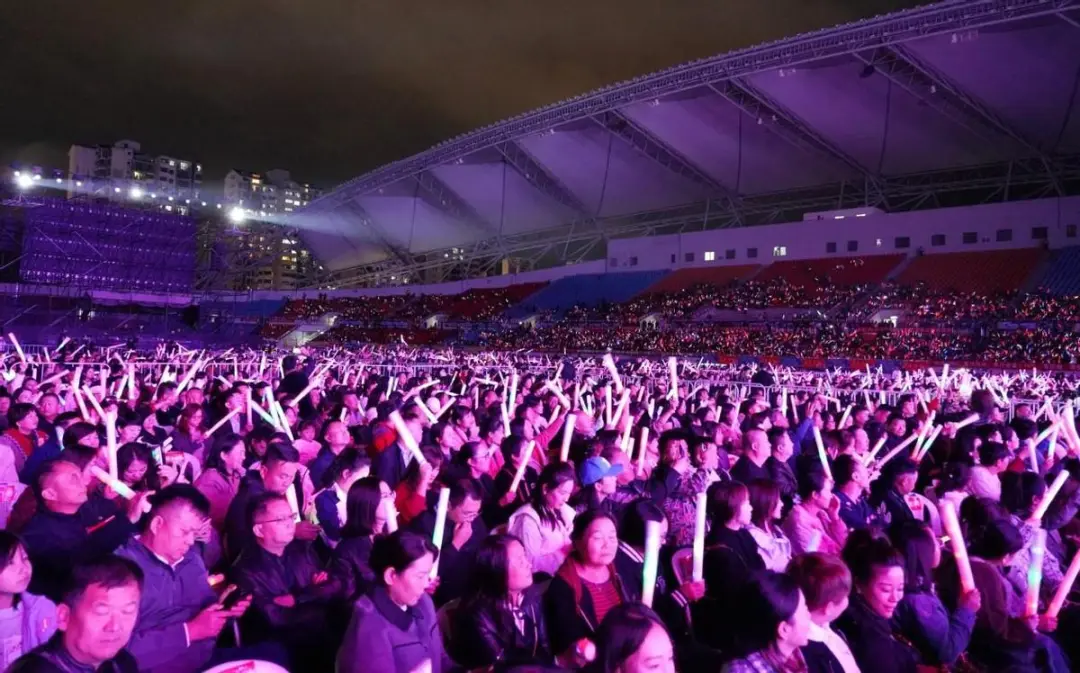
<point x="174" y="495"/>
<point x="110" y="572"/>
<point x="399" y="550"/>
<point x="279" y="452"/>
<point x="260" y="503"/>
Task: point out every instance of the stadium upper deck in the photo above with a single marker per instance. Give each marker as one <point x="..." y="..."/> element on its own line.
<point x="939" y="105"/>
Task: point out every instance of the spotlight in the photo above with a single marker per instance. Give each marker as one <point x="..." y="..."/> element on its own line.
<point x="237" y="215"/>
<point x="136" y="193"/>
<point x="24" y="182"/>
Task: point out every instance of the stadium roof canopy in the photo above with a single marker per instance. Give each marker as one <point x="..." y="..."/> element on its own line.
<point x="964" y="99"/>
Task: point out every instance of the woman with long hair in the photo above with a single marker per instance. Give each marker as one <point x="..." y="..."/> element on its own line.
<point x="370" y="512"/>
<point x="773" y="546"/>
<point x="221" y="475"/>
<point x="411" y="495"/>
<point x="189" y="435"/>
<point x="921" y="617"/>
<point x="136" y="467"/>
<point x="500" y="621"/>
<point x="586" y="587"/>
<point x="544" y="523"/>
<point x="632" y="639"/>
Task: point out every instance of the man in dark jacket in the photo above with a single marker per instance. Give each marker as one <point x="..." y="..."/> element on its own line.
<point x="179" y="614"/>
<point x="464" y="532"/>
<point x="95" y="621"/>
<point x="389" y="464"/>
<point x="291" y="593"/>
<point x="56" y="536"/>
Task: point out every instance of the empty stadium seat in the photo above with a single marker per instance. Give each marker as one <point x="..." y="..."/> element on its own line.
<point x="987" y="272"/>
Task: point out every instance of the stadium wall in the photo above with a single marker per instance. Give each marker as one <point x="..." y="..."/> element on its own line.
<point x="873" y="235"/>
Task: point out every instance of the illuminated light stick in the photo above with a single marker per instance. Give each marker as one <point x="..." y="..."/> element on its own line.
<point x="609" y="364"/>
<point x="922" y="434"/>
<point x="93" y="402"/>
<point x="673" y="372"/>
<point x="406" y="437"/>
<point x="554" y="414"/>
<point x="822" y="456"/>
<point x="783" y="402"/>
<point x="294" y="505"/>
<point x="18" y="347"/>
<point x="284" y="421"/>
<point x="929" y="442"/>
<point x="120" y="488"/>
<point x="652" y="562"/>
<point x="1035" y="573"/>
<point x="505" y="418"/>
<point x="187" y="377"/>
<point x="225" y="419"/>
<point x="80" y="403"/>
<point x="442" y="411"/>
<point x="427" y="410"/>
<point x="699" y="537"/>
<point x="900" y="447"/>
<point x="567" y="437"/>
<point x="440" y="525"/>
<point x="262" y="364"/>
<point x="1033" y="458"/>
<point x="103" y="378"/>
<point x="814" y="543"/>
<point x="607" y="406"/>
<point x="643" y="446"/>
<point x="1052" y="430"/>
<point x="625" y="442"/>
<point x="967" y="421"/>
<point x="624" y="403"/>
<point x="1067" y="582"/>
<point x="951" y="525"/>
<point x="1043" y="409"/>
<point x="304" y="393"/>
<point x="563" y="400"/>
<point x="133" y="388"/>
<point x="110" y="443"/>
<point x="844" y="417"/>
<point x="1052" y="444"/>
<point x="247" y="404"/>
<point x="520" y="473"/>
<point x="254" y="406"/>
<point x="63" y="343"/>
<point x="512" y="404"/>
<point x="1051" y="493"/>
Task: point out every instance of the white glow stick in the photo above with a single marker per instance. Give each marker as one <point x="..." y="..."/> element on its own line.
<point x="18" y="346"/>
<point x="1047" y="432"/>
<point x="427" y="411"/>
<point x="843" y="418"/>
<point x="254" y="406"/>
<point x="643" y="445"/>
<point x="652" y="562"/>
<point x="520" y="473"/>
<point x="225" y="419"/>
<point x="1035" y="573"/>
<point x="247" y="404"/>
<point x="120" y="488"/>
<point x="1050" y="494"/>
<point x="406" y="437"/>
<point x="284" y="421"/>
<point x="110" y="443"/>
<point x="607" y="406"/>
<point x="505" y="419"/>
<point x="967" y="421"/>
<point x="699" y="537"/>
<point x="673" y="371"/>
<point x="512" y="403"/>
<point x="63" y="343"/>
<point x="900" y="447"/>
<point x="567" y="437"/>
<point x="951" y="525"/>
<point x="609" y="364"/>
<point x="822" y="456"/>
<point x="929" y="442"/>
<point x="1065" y="587"/>
<point x="440" y="525"/>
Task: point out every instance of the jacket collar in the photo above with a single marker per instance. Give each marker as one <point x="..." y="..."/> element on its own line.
<point x="391" y="611"/>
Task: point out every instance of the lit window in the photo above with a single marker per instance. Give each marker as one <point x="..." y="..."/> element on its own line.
<point x="171" y="162"/>
<point x="877" y="242"/>
<point x="710" y="256"/>
<point x="779" y="251"/>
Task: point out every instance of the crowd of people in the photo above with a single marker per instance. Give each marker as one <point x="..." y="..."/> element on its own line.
<point x="401" y="509"/>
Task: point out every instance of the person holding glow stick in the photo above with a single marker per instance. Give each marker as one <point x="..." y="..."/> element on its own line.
<point x="462" y="533"/>
<point x="817" y="512"/>
<point x="544" y="523"/>
<point x="369" y="505"/>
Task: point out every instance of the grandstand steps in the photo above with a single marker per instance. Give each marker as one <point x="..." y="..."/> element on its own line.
<point x="308" y="331"/>
<point x="1035" y="278"/>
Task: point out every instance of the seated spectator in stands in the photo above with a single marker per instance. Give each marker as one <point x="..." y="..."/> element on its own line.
<point x="138" y="470"/>
<point x="411" y="494"/>
<point x="370" y="512"/>
<point x="815" y="524"/>
<point x="306" y="444"/>
<point x="330" y="503"/>
<point x="632" y="639"/>
<point x="756" y="450"/>
<point x="189" y="436"/>
<point x="221" y="475"/>
<point x="825" y="583"/>
<point x="57" y="539"/>
<point x="26" y="620"/>
<point x="598" y="481"/>
<point x="394" y="629"/>
<point x="473" y="461"/>
<point x="985" y="477"/>
<point x="462" y="536"/>
<point x="544" y="524"/>
<point x="179" y="614"/>
<point x="289" y="588"/>
<point x="1021" y="493"/>
<point x="276" y="474"/>
<point x="774" y="626"/>
<point x="731" y="557"/>
<point x="391" y="463"/>
<point x="500" y="621"/>
<point x="337" y="438"/>
<point x="940" y="636"/>
<point x="512" y="450"/>
<point x="586" y="587"/>
<point x="766" y="505"/>
<point x="877" y="572"/>
<point x="95" y="620"/>
<point x="852" y="486"/>
<point x="779" y="465"/>
<point x="899" y="502"/>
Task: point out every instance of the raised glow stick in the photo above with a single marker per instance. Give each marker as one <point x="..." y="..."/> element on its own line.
<point x="225" y="419"/>
<point x="643" y="446"/>
<point x="284" y="421"/>
<point x="427" y="411"/>
<point x="951" y="525"/>
<point x="440" y="525"/>
<point x="567" y="437"/>
<point x="406" y="436"/>
<point x="505" y="419"/>
<point x="18" y="346"/>
<point x="1035" y="573"/>
<point x="1065" y="587"/>
<point x="929" y="442"/>
<point x="512" y="403"/>
<point x="967" y="421"/>
<point x="1047" y="432"/>
<point x="822" y="456"/>
<point x="120" y="488"/>
<point x="79" y="402"/>
<point x="652" y="562"/>
<point x="247" y="404"/>
<point x="63" y="343"/>
<point x="625" y="442"/>
<point x="520" y="473"/>
<point x="673" y="372"/>
<point x="1051" y="493"/>
<point x="699" y="537"/>
<point x="93" y="402"/>
<point x="294" y="505"/>
<point x="254" y="406"/>
<point x="900" y="447"/>
<point x="609" y="364"/>
<point x="843" y="418"/>
<point x="608" y="419"/>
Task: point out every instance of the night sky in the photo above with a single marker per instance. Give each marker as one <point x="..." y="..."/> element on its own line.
<point x="332" y="88"/>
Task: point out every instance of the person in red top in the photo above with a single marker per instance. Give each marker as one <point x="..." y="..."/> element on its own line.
<point x="22" y="435"/>
<point x="410" y="496"/>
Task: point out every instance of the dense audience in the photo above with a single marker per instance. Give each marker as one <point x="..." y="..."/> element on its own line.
<point x="401" y="510"/>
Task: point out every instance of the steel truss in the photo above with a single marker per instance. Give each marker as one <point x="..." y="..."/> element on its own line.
<point x="1013" y="180"/>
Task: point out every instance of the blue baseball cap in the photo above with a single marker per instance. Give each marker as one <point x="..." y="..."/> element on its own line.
<point x="595" y="469"/>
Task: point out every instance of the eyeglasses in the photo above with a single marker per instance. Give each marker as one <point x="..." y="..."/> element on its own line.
<point x="282" y="519"/>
